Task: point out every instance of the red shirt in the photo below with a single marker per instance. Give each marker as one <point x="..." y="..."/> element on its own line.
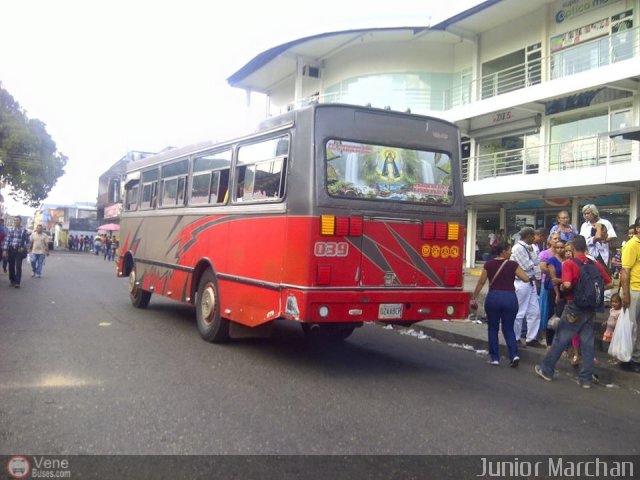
<point x="571" y="273"/>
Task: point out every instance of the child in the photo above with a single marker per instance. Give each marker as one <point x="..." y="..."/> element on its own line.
<point x="614" y="313"/>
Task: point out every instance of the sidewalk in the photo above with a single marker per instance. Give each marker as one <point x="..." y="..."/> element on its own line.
<point x="474" y="334"/>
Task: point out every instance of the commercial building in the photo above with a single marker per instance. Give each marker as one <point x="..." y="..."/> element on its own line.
<point x="109" y="202"/>
<point x="545" y="93"/>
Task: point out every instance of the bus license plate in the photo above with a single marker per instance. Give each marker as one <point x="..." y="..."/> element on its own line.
<point x="390" y="310"/>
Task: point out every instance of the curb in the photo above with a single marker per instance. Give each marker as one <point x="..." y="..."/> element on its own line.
<point x="533" y="355"/>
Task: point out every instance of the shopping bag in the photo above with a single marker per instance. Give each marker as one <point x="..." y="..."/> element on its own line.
<point x="621" y="344"/>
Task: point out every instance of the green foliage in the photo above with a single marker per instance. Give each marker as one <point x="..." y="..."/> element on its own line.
<point x="29" y="160"/>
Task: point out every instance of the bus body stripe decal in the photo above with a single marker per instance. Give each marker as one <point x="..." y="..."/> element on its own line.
<point x="172" y="266"/>
<point x="417" y="260"/>
<point x="371" y="250"/>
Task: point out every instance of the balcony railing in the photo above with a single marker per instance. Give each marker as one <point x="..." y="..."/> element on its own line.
<point x="554" y="157"/>
<point x="569" y="61"/>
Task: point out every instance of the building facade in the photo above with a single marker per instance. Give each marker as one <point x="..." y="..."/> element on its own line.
<point x="109" y="201"/>
<point x="545" y="92"/>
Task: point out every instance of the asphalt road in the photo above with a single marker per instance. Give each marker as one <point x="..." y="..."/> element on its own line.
<point x="83" y="372"/>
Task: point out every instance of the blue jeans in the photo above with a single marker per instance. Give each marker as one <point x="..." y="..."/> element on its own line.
<point x="501" y="305"/>
<point x="582" y="326"/>
<point x="37" y="261"/>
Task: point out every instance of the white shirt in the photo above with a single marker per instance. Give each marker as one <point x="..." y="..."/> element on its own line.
<point x="596" y="248"/>
<point x="40" y="243"/>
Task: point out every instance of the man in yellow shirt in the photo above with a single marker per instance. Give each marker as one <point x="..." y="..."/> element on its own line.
<point x="630" y="281"/>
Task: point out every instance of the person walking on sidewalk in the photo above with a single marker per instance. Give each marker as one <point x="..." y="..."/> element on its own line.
<point x="38" y="249"/>
<point x="501" y="304"/>
<point x="14" y="248"/>
<point x="526" y="291"/>
<point x="575" y="319"/>
<point x="630" y="281"/>
<point x="3" y="233"/>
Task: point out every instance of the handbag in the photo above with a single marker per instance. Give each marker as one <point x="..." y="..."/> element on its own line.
<point x="621" y="344"/>
<point x="553" y="322"/>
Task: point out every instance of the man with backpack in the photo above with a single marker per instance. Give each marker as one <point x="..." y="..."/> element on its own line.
<point x="584" y="282"/>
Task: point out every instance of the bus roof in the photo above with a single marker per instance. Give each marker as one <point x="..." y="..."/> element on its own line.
<point x="265" y="127"/>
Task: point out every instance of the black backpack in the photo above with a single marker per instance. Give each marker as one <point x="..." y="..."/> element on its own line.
<point x="588" y="292"/>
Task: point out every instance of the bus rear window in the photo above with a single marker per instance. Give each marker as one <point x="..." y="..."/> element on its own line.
<point x="379" y="172"/>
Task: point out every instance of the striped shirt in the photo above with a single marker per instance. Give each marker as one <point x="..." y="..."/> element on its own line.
<point x="16" y="238"/>
<point x="527" y="259"/>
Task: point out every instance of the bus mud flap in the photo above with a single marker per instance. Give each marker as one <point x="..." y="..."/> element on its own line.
<point x="238" y="331"/>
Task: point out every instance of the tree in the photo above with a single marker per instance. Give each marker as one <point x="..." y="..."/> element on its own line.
<point x="29" y="160"/>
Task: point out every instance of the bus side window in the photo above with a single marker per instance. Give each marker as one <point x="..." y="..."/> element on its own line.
<point x="149" y="182"/>
<point x="210" y="178"/>
<point x="260" y="171"/>
<point x="131" y="198"/>
<point x="223" y="186"/>
<point x="174" y="178"/>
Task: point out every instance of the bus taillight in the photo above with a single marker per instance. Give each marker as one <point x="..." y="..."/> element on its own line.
<point x="324" y="275"/>
<point x="355" y="226"/>
<point x="327" y="225"/>
<point x="450" y="277"/>
<point x="341" y="226"/>
<point x="440" y="231"/>
<point x="453" y="232"/>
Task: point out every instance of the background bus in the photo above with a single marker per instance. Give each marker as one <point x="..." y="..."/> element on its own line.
<point x="330" y="216"/>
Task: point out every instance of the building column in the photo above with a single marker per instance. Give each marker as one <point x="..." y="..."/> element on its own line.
<point x="634" y="206"/>
<point x="470" y="239"/>
<point x="576" y="213"/>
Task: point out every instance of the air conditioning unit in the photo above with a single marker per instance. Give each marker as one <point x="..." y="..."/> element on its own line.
<point x="311" y="71"/>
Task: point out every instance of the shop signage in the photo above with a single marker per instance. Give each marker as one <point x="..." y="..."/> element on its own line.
<point x="567" y="9"/>
<point x="113" y="211"/>
<point x="580" y="35"/>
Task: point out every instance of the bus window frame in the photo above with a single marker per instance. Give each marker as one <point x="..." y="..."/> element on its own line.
<point x="405" y="203"/>
<point x="128" y="187"/>
<point x="163" y="180"/>
<point x="220" y="199"/>
<point x="244" y="165"/>
<point x="153" y="201"/>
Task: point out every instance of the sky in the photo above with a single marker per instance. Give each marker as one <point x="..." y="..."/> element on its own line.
<point x="109" y="77"/>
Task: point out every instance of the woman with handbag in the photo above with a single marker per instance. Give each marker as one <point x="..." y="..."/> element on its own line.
<point x="501" y="304"/>
<point x="552" y="286"/>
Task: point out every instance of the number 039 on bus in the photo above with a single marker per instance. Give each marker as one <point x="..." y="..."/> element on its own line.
<point x="329" y="216"/>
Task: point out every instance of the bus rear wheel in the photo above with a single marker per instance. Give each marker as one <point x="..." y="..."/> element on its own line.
<point x="212" y="327"/>
<point x="139" y="297"/>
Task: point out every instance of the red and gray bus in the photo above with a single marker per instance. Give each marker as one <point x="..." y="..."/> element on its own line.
<point x="329" y="216"/>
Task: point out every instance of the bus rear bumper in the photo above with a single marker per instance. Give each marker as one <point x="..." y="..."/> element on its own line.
<point x="389" y="306"/>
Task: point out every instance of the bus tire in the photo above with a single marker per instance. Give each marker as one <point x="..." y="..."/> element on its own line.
<point x="139" y="298"/>
<point x="212" y="327"/>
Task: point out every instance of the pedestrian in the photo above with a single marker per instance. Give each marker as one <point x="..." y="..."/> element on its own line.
<point x="14" y="248"/>
<point x="107" y="248"/>
<point x="564" y="227"/>
<point x="575" y="319"/>
<point x="38" y="249"/>
<point x="555" y="299"/>
<point x="3" y="232"/>
<point x="630" y="281"/>
<point x="97" y="245"/>
<point x="526" y="291"/>
<point x="501" y="304"/>
<point x="597" y="241"/>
